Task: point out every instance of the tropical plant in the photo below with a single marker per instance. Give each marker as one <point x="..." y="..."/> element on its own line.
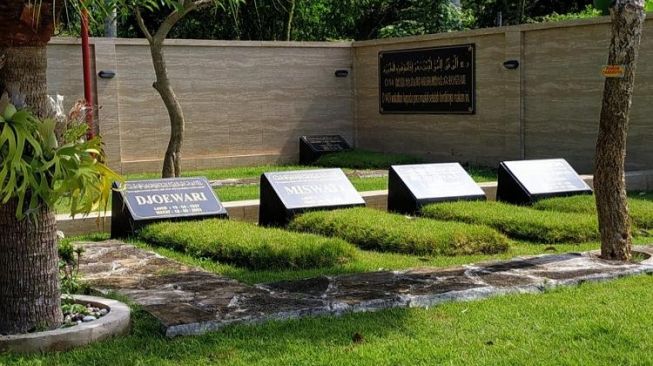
<point x="36" y="170"/>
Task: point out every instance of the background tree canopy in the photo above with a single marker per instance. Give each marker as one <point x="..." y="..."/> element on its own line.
<point x="320" y="20"/>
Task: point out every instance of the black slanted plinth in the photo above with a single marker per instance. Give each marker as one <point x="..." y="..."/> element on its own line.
<point x="142" y="202"/>
<point x="286" y="194"/>
<point x="524" y="182"/>
<point x="412" y="186"/>
<point x="312" y="147"/>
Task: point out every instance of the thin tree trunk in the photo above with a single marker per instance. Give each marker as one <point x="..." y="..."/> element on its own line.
<point x="609" y="176"/>
<point x="291" y="15"/>
<point x="29" y="284"/>
<point x="172" y="159"/>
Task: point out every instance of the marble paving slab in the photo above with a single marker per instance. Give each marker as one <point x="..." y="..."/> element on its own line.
<point x="188" y="300"/>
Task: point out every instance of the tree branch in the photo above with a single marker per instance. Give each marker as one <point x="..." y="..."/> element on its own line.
<point x="175" y="16"/>
<point x="141" y="24"/>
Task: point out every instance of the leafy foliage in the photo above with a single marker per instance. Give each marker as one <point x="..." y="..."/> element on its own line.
<point x="588" y="12"/>
<point x="69" y="256"/>
<point x="519" y="222"/>
<point x="35" y="169"/>
<point x="248" y="245"/>
<point x="514" y="12"/>
<point x="427" y="16"/>
<point x="376" y="230"/>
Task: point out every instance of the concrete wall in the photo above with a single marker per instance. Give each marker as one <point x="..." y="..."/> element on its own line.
<point x="244" y="102"/>
<point x="248" y="102"/>
<point x="549" y="107"/>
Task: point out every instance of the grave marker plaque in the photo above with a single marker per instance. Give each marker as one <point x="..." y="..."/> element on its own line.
<point x="312" y="147"/>
<point x="285" y="194"/>
<point x="525" y="181"/>
<point x="412" y="186"/>
<point x="438" y="80"/>
<point x="142" y="202"/>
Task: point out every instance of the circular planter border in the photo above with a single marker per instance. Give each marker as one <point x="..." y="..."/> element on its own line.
<point x="115" y="323"/>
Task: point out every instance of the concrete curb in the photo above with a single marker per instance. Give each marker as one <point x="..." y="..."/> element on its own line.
<point x="116" y="323"/>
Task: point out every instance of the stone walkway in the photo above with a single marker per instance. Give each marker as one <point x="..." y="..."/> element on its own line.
<point x="189" y="300"/>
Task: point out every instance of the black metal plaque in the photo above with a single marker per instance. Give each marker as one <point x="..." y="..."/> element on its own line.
<point x="312" y="147"/>
<point x="145" y="201"/>
<point x="412" y="186"/>
<point x="437" y="80"/>
<point x="285" y="194"/>
<point x="525" y="181"/>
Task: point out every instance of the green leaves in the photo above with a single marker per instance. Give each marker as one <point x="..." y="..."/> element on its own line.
<point x="35" y="170"/>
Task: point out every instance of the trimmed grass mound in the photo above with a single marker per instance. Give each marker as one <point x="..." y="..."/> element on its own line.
<point x="248" y="245"/>
<point x="519" y="222"/>
<point x="376" y="230"/>
<point x="641" y="210"/>
<point x="363" y="159"/>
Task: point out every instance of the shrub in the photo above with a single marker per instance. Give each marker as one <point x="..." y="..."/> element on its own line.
<point x="377" y="230"/>
<point x="362" y="159"/>
<point x="641" y="210"/>
<point x="247" y="245"/>
<point x="519" y="222"/>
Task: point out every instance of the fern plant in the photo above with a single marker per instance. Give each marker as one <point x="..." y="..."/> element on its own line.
<point x="36" y="168"/>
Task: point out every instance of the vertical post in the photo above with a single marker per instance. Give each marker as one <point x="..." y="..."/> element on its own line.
<point x="86" y="65"/>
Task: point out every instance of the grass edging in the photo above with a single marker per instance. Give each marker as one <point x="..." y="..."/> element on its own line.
<point x="376" y="230"/>
<point x="248" y="245"/>
<point x="519" y="222"/>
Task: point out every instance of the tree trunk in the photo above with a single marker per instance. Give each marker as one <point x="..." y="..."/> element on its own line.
<point x="291" y="15"/>
<point x="29" y="284"/>
<point x="609" y="176"/>
<point x="23" y="76"/>
<point x="172" y="159"/>
<point x="29" y="278"/>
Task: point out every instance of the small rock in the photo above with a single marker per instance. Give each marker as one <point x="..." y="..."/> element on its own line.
<point x="88" y="318"/>
<point x="104" y="312"/>
<point x="67" y="319"/>
<point x="79" y="322"/>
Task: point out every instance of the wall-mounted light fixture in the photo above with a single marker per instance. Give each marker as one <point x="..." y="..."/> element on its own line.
<point x="106" y="74"/>
<point x="342" y="73"/>
<point x="511" y="64"/>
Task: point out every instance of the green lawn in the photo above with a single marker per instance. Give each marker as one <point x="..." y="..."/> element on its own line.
<point x="249" y="245"/>
<point x="519" y="222"/>
<point x="640" y="207"/>
<point x="592" y="324"/>
<point x="372" y="229"/>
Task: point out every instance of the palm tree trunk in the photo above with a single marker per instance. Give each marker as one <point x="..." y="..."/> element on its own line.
<point x="29" y="284"/>
<point x="29" y="276"/>
<point x="23" y="76"/>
